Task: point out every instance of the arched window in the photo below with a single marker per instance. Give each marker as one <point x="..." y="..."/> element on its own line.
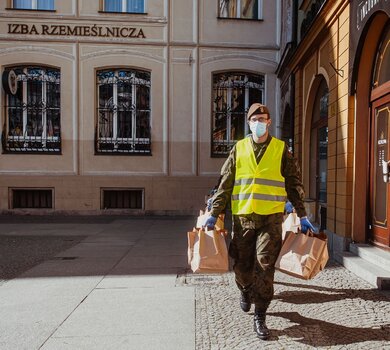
<point x="319" y="152"/>
<point x="123" y="124"/>
<point x="32" y="109"/>
<point x="382" y="65"/>
<point x="233" y="93"/>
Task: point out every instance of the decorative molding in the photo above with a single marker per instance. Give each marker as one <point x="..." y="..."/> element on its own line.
<point x="111" y="52"/>
<point x="225" y="57"/>
<point x="38" y="49"/>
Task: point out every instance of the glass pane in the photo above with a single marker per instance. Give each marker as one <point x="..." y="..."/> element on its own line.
<point x="220" y="116"/>
<point x="324" y="102"/>
<point x="143" y="129"/>
<point x="34" y="103"/>
<point x="125" y="107"/>
<point x="143" y="98"/>
<point x="15" y="121"/>
<point x="228" y="8"/>
<point x="23" y="4"/>
<point x="124" y="124"/>
<point x="45" y="5"/>
<point x="106" y="103"/>
<point x="135" y="6"/>
<point x="238" y="114"/>
<point x="249" y="9"/>
<point x="53" y="100"/>
<point x="382" y="66"/>
<point x="322" y="162"/>
<point x="113" y="5"/>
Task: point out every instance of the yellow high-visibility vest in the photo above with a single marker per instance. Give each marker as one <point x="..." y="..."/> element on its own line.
<point x="258" y="188"/>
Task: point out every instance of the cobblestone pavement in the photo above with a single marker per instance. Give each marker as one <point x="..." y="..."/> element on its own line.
<point x="336" y="310"/>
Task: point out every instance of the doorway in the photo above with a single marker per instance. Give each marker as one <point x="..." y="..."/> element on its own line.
<point x="379" y="216"/>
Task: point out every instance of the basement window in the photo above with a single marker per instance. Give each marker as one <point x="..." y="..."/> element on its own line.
<point x="122" y="198"/>
<point x="32" y="198"/>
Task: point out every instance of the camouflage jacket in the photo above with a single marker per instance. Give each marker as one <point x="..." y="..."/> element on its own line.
<point x="289" y="168"/>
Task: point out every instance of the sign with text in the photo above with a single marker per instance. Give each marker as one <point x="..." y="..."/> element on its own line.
<point x="94" y="30"/>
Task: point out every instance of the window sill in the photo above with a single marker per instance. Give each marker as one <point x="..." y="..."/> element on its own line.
<point x="242" y="19"/>
<point x="30" y="10"/>
<point x="124" y="13"/>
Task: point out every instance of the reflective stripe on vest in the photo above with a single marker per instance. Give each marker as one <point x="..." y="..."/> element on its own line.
<point x="258" y="188"/>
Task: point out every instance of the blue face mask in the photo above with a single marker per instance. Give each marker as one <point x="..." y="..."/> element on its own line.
<point x="258" y="128"/>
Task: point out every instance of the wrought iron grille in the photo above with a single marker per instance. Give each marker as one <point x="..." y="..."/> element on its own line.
<point x="233" y="93"/>
<point x="33" y="122"/>
<point x="123" y="123"/>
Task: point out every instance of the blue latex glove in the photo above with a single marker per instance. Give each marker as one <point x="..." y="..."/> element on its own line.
<point x="210" y="222"/>
<point x="306" y="224"/>
<point x="288" y="208"/>
<point x="209" y="203"/>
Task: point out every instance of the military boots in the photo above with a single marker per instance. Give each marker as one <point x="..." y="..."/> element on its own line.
<point x="259" y="325"/>
<point x="245" y="301"/>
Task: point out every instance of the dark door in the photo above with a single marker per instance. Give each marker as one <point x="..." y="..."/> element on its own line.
<point x="379" y="189"/>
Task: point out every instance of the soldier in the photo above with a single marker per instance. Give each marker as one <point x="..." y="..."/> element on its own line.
<point x="258" y="177"/>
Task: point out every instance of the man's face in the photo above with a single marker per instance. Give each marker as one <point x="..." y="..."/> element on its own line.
<point x="262" y="118"/>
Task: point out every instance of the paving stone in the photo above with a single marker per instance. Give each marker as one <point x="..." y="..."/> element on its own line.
<point x="336" y="310"/>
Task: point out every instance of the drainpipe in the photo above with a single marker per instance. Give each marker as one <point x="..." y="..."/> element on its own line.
<point x="292" y="112"/>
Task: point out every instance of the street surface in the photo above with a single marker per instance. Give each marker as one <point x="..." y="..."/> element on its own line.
<point x="123" y="283"/>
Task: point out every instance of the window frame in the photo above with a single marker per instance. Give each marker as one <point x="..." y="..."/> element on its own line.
<point x="33" y="7"/>
<point x="238" y="15"/>
<point x="228" y="142"/>
<point x="27" y="80"/>
<point x="124" y="6"/>
<point x="115" y="140"/>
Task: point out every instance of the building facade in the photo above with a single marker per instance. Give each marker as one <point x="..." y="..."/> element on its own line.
<point x="119" y="106"/>
<point x="335" y="90"/>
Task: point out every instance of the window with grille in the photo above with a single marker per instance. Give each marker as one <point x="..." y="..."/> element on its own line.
<point x="33" y="4"/>
<point x="32" y="122"/>
<point x="123" y="123"/>
<point x="127" y="6"/>
<point x="233" y="93"/>
<point x="32" y="198"/>
<point x="122" y="199"/>
<point x="242" y="9"/>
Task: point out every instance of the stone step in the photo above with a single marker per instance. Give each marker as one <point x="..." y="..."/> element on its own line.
<point x="373" y="274"/>
<point x="372" y="254"/>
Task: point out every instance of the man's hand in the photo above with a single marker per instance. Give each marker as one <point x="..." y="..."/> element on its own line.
<point x="210" y="222"/>
<point x="288" y="208"/>
<point x="306" y="224"/>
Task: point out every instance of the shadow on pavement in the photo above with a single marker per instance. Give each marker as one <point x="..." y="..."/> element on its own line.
<point x="328" y="294"/>
<point x="311" y="331"/>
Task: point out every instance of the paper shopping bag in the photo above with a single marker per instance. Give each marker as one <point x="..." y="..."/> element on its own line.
<point x="203" y="217"/>
<point x="291" y="223"/>
<point x="207" y="251"/>
<point x="303" y="255"/>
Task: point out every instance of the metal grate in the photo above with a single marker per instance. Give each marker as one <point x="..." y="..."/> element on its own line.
<point x="233" y="93"/>
<point x="33" y="113"/>
<point x="123" y="123"/>
<point x="123" y="199"/>
<point x="37" y="199"/>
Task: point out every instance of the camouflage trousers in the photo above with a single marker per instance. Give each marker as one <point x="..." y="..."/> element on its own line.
<point x="255" y="246"/>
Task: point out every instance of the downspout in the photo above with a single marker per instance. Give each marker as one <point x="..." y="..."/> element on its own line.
<point x="337" y="126"/>
<point x="292" y="112"/>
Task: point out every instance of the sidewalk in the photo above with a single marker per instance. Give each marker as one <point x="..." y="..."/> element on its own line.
<point x="121" y="283"/>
